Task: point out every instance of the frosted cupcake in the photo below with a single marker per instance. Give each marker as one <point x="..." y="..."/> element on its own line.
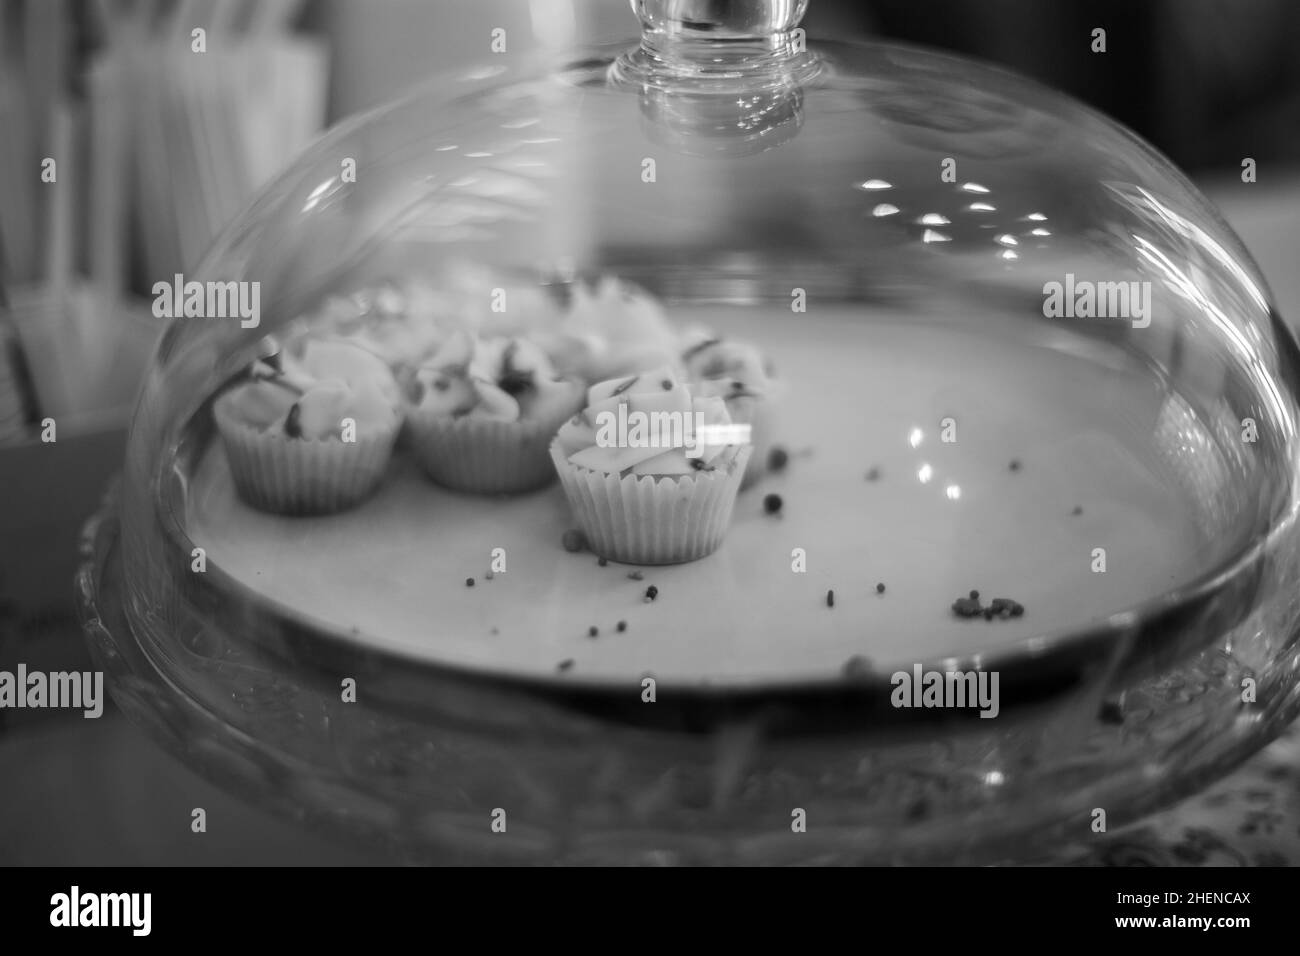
<point x="311" y="433"/>
<point x="608" y="330"/>
<point x="651" y="468"/>
<point x="481" y="414"/>
<point x="741" y="377"/>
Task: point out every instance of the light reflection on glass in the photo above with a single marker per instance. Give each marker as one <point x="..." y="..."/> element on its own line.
<point x="315" y="196"/>
<point x="1183" y="284"/>
<point x="481" y="73"/>
<point x="1188" y="229"/>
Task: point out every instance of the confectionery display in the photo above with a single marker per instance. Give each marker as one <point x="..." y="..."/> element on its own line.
<point x="702" y="431"/>
<point x="479" y="409"/>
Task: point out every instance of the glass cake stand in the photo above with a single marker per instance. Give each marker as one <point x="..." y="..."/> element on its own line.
<point x="888" y="225"/>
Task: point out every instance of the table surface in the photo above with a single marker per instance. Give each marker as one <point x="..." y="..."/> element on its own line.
<point x="96" y="792"/>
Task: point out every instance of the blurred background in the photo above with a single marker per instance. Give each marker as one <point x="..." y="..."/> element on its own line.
<point x="155" y="149"/>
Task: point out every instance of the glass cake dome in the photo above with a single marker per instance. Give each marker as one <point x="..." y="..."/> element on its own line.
<point x="938" y="373"/>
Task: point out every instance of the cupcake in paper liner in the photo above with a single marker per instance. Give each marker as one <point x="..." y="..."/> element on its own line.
<point x="651" y="469"/>
<point x="740" y="375"/>
<point x="481" y="414"/>
<point x="311" y="433"/>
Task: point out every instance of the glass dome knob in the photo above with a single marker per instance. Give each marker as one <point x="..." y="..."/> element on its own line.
<point x="719" y="19"/>
<point x="733" y="45"/>
<point x="719" y="77"/>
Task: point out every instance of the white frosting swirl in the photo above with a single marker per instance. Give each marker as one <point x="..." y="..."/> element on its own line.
<point x="649" y="423"/>
<point x="505" y="379"/>
<point x="319" y="384"/>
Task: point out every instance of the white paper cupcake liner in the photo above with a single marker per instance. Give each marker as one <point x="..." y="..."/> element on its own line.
<point x="304" y="476"/>
<point x="648" y="519"/>
<point x="483" y="456"/>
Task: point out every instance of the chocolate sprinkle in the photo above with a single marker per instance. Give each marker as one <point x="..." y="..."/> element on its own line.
<point x="1015" y="464"/>
<point x="830" y="598"/>
<point x="651" y="593"/>
<point x="777" y="458"/>
<point x="772" y="504"/>
<point x="469" y="582"/>
<point x="574" y="540"/>
<point x="565" y="664"/>
<point x="873" y="474"/>
<point x="621" y="626"/>
<point x="625" y="386"/>
<point x="292" y="426"/>
<point x="1008" y="606"/>
<point x="513" y="381"/>
<point x="997" y="608"/>
<point x="593" y="631"/>
<point x="880" y="587"/>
